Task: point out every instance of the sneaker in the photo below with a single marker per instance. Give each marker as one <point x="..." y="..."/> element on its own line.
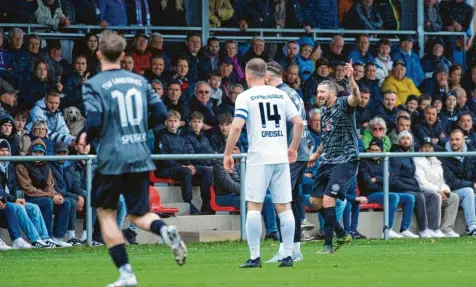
<point x="50" y="243"/>
<point x="130" y="235"/>
<point x="125" y="281"/>
<point x="392" y="234"/>
<point x="74" y="242"/>
<point x="287" y="262"/>
<point x="326" y="249"/>
<point x="450" y="233"/>
<point x="4" y="246"/>
<point x="341" y="241"/>
<point x="470" y="230"/>
<point x="298" y="257"/>
<point x="272" y="236"/>
<point x="40" y="244"/>
<point x="357" y="235"/>
<point x="20" y="243"/>
<point x="408" y="234"/>
<point x="252" y="263"/>
<point x="436" y="233"/>
<point x="306" y="225"/>
<point x="320" y="235"/>
<point x="194" y="210"/>
<point x="97" y="243"/>
<point x="276" y="258"/>
<point x="61" y="243"/>
<point x="425" y="233"/>
<point x="173" y="240"/>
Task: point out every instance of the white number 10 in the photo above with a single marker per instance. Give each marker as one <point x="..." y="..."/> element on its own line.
<point x="126" y="106"/>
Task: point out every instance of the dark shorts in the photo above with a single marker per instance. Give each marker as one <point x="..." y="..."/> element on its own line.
<point x="106" y="190"/>
<point x="297" y="172"/>
<point x="334" y="180"/>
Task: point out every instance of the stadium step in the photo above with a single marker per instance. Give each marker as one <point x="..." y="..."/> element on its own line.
<point x="173" y="194"/>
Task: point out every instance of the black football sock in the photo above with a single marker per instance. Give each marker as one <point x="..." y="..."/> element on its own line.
<point x="119" y="255"/>
<point x="329" y="226"/>
<point x="156" y="226"/>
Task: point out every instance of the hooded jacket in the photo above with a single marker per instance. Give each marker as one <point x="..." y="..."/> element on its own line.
<point x="66" y="182"/>
<point x="412" y="63"/>
<point x="429" y="174"/>
<point x="57" y="128"/>
<point x="12" y="139"/>
<point x="8" y="179"/>
<point x="36" y="178"/>
<point x="402" y="170"/>
<point x="459" y="172"/>
<point x="368" y="169"/>
<point x="403" y="88"/>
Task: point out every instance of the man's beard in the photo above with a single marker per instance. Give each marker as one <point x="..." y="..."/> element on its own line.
<point x="405" y="148"/>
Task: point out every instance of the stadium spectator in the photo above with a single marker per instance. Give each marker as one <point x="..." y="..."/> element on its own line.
<point x="257" y="50"/>
<point x="169" y="141"/>
<point x="377" y="129"/>
<point x="198" y="141"/>
<point x="304" y="60"/>
<point x="459" y="173"/>
<point x="138" y="12"/>
<point x="432" y="20"/>
<point x="455" y="76"/>
<point x="371" y="82"/>
<point x="404" y="123"/>
<point x="410" y="59"/>
<point x="181" y="75"/>
<point x="175" y="101"/>
<point x="40" y="130"/>
<point x="321" y="74"/>
<point x="39" y="84"/>
<point x="220" y="11"/>
<point x="363" y="15"/>
<point x="168" y="13"/>
<point x="202" y="103"/>
<point x="22" y="136"/>
<point x="429" y="174"/>
<point x="36" y="179"/>
<point x="158" y="87"/>
<point x="465" y="124"/>
<point x="352" y="211"/>
<point x="314" y="14"/>
<point x="383" y="60"/>
<point x="66" y="184"/>
<point x="228" y="76"/>
<point x="218" y="141"/>
<point x="49" y="13"/>
<point x="212" y="52"/>
<point x="431" y="129"/>
<point x="216" y="93"/>
<point x="28" y="214"/>
<point x="228" y="102"/>
<point x="370" y="180"/>
<point x="7" y="60"/>
<point x="231" y="58"/>
<point x="434" y="57"/>
<point x="74" y="83"/>
<point x="398" y="82"/>
<point x="258" y="14"/>
<point x="8" y="98"/>
<point x="200" y="65"/>
<point x="361" y="51"/>
<point x="53" y="59"/>
<point x="335" y="51"/>
<point x="388" y="109"/>
<point x="157" y="70"/>
<point x="289" y="54"/>
<point x="359" y="72"/>
<point x="461" y="100"/>
<point x="47" y="109"/>
<point x="20" y="11"/>
<point x="437" y="84"/>
<point x="127" y="63"/>
<point x="402" y="180"/>
<point x="8" y="133"/>
<point x="456" y="15"/>
<point x="85" y="12"/>
<point x="292" y="79"/>
<point x="343" y="86"/>
<point x="363" y="113"/>
<point x="156" y="47"/>
<point x="26" y="60"/>
<point x="140" y="54"/>
<point x="112" y="12"/>
<point x="437" y="102"/>
<point x="411" y="106"/>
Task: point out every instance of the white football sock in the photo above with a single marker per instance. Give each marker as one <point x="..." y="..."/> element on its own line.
<point x="297" y="247"/>
<point x="253" y="232"/>
<point x="125" y="270"/>
<point x="71" y="234"/>
<point x="281" y="249"/>
<point x="287" y="231"/>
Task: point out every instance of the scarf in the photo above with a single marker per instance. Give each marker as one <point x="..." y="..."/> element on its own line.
<point x="237" y="68"/>
<point x="139" y="4"/>
<point x="182" y="81"/>
<point x="178" y="4"/>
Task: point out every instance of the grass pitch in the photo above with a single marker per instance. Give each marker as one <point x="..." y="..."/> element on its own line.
<point x="445" y="262"/>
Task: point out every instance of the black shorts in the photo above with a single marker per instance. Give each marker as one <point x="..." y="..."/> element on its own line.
<point x="106" y="190"/>
<point x="334" y="180"/>
<point x="297" y="172"/>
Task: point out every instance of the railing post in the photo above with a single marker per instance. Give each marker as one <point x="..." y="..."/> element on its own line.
<point x="205" y="21"/>
<point x="89" y="211"/>
<point x="242" y="199"/>
<point x="385" y="197"/>
<point x="420" y="27"/>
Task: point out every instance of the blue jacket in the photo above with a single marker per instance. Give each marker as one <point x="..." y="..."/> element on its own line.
<point x="80" y="172"/>
<point x="375" y="91"/>
<point x="363" y="115"/>
<point x="424" y="130"/>
<point x="65" y="179"/>
<point x="429" y="62"/>
<point x="402" y="170"/>
<point x="208" y="111"/>
<point x="34" y="91"/>
<point x="361" y="18"/>
<point x="200" y="145"/>
<point x="258" y="14"/>
<point x="8" y="179"/>
<point x="412" y="62"/>
<point x="199" y="66"/>
<point x="323" y="14"/>
<point x="73" y="92"/>
<point x="459" y="12"/>
<point x="368" y="169"/>
<point x="356" y="56"/>
<point x="459" y="172"/>
<point x="113" y="12"/>
<point x="306" y="68"/>
<point x="226" y="106"/>
<point x="57" y="128"/>
<point x="170" y="143"/>
<point x="390" y="117"/>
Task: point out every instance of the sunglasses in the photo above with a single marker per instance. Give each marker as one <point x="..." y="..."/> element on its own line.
<point x="203" y="92"/>
<point x="377" y="129"/>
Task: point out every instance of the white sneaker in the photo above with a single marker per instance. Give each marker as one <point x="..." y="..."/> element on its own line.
<point x="173" y="240"/>
<point x="392" y="234"/>
<point x="298" y="257"/>
<point x="306" y="225"/>
<point x="408" y="234"/>
<point x="276" y="258"/>
<point x="125" y="281"/>
<point x="450" y="233"/>
<point x="425" y="233"/>
<point x="4" y="246"/>
<point x="61" y="243"/>
<point x="20" y="243"/>
<point x="436" y="233"/>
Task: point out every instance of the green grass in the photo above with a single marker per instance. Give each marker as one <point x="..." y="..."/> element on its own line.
<point x="364" y="263"/>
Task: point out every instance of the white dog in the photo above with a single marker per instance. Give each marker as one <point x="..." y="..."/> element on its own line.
<point x="74" y="120"/>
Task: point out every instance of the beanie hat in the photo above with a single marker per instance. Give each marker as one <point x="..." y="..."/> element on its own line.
<point x="405" y="134"/>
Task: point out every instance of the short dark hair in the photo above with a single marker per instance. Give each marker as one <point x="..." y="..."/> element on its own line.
<point x="214" y="74"/>
<point x="21" y="114"/>
<point x="384" y="41"/>
<point x="225" y="118"/>
<point x="197" y="116"/>
<point x="157" y="57"/>
<point x="411" y="98"/>
<point x="193" y="34"/>
<point x="52" y="94"/>
<point x="423" y="98"/>
<point x="181" y="58"/>
<point x="211" y="39"/>
<point x="111" y="45"/>
<point x="357" y="39"/>
<point x="365" y="91"/>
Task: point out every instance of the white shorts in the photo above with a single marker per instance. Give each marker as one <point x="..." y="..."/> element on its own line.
<point x="276" y="177"/>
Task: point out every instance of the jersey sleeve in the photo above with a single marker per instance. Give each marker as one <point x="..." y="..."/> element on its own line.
<point x="291" y="110"/>
<point x="241" y="107"/>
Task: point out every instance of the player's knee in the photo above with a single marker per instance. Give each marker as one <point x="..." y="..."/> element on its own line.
<point x="316" y="202"/>
<point x="254" y="206"/>
<point x="328" y="201"/>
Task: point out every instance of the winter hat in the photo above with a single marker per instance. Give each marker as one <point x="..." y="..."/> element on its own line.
<point x="405" y="134"/>
<point x="305" y="41"/>
<point x="440" y="68"/>
<point x="4" y="144"/>
<point x="38" y="147"/>
<point x="322" y="62"/>
<point x="376" y="142"/>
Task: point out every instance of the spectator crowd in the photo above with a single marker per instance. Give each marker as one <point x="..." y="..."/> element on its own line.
<point x="408" y="104"/>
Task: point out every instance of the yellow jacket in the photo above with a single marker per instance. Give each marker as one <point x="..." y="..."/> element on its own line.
<point x="403" y="88"/>
<point x="220" y="10"/>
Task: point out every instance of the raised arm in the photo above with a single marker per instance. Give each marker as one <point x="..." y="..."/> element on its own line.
<point x="354" y="98"/>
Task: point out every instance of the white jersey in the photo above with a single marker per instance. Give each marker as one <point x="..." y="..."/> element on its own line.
<point x="266" y="110"/>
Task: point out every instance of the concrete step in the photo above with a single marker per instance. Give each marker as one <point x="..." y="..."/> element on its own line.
<point x="173" y="194"/>
<point x="205" y="222"/>
<point x="184" y="208"/>
<point x="210" y="236"/>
